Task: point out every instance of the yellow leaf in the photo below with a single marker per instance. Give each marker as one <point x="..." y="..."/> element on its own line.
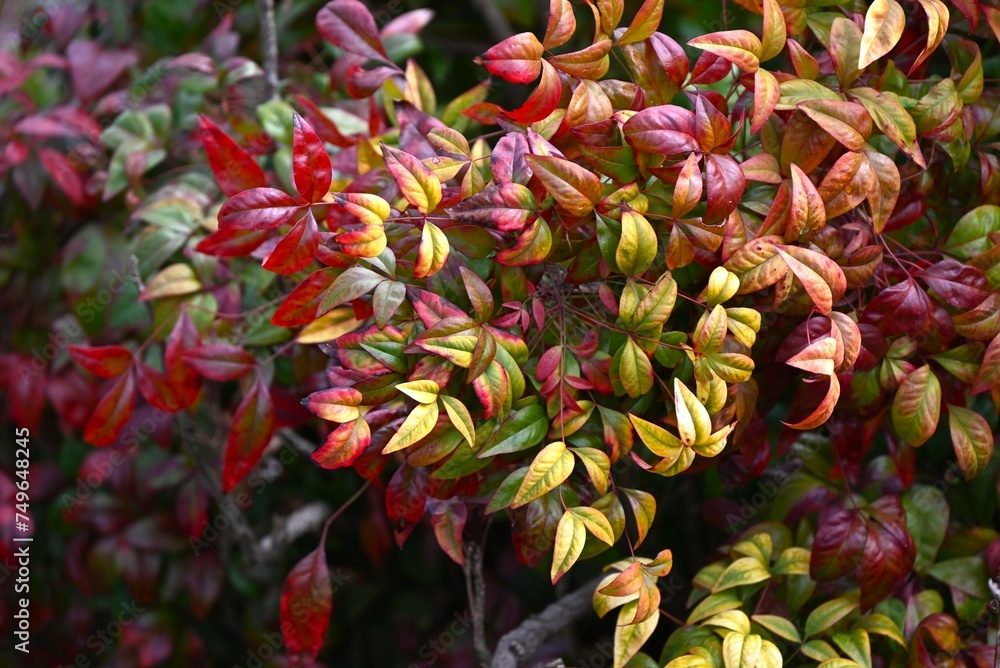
<point x="418" y="424"/>
<point x="432" y="252"/>
<point x="571" y="536"/>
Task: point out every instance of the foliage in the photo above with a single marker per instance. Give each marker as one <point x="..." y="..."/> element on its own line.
<point x="656" y="267"/>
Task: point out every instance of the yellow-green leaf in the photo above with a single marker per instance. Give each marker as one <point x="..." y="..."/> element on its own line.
<point x="637" y="247"/>
<point x="460" y="417"/>
<point x="423" y="391"/>
<point x="629" y="638"/>
<point x="571" y="536"/>
<point x="595" y="522"/>
<point x="432" y="253"/>
<point x="550" y="467"/>
<point x="418" y="424"/>
<point x="743" y="571"/>
<point x="693" y="422"/>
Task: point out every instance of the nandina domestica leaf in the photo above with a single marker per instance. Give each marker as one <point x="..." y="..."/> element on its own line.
<point x="972" y="438"/>
<point x="112" y="412"/>
<point x="517" y="59"/>
<point x="349" y="25"/>
<point x="306" y="602"/>
<point x="917" y="406"/>
<point x="235" y="170"/>
<point x="102" y="361"/>
<point x="220" y="361"/>
<point x="311" y="166"/>
<point x="251" y="431"/>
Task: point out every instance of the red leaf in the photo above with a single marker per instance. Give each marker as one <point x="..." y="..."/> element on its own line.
<point x="102" y="361"/>
<point x="508" y="163"/>
<point x="543" y="101"/>
<point x="725" y="183"/>
<point x="325" y="128"/>
<point x="112" y="412"/>
<point x="957" y="284"/>
<point x="899" y="309"/>
<point x="517" y="59"/>
<point x="299" y="307"/>
<point x="64" y="174"/>
<point x="220" y="361"/>
<point x="405" y="497"/>
<point x="258" y="209"/>
<point x="253" y="426"/>
<point x="349" y="25"/>
<point x="889" y="552"/>
<point x="839" y="544"/>
<point x="296" y="249"/>
<point x="235" y="170"/>
<point x="508" y="207"/>
<point x="311" y="166"/>
<point x="182" y="376"/>
<point x="232" y="243"/>
<point x="157" y="390"/>
<point x="448" y="520"/>
<point x="664" y="130"/>
<point x="344" y="445"/>
<point x="306" y="602"/>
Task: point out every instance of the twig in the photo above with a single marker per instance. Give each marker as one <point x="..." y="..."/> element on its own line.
<point x="475" y="588"/>
<point x="287" y="529"/>
<point x="498" y="25"/>
<point x="524" y="641"/>
<point x="268" y="46"/>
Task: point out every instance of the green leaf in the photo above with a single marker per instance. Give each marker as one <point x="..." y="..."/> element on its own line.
<point x="524" y="429"/>
<point x="829" y="613"/>
<point x="779" y="626"/>
<point x="550" y="467"/>
<point x="743" y="571"/>
<point x="573" y="187"/>
<point x="504" y="496"/>
<point x="879" y="624"/>
<point x="353" y="283"/>
<point x="966" y="574"/>
<point x="971" y="235"/>
<point x="713" y="605"/>
<point x="927" y="521"/>
<point x="917" y="406"/>
<point x="856" y="645"/>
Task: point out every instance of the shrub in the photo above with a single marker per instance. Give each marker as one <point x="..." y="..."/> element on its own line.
<point x="654" y="268"/>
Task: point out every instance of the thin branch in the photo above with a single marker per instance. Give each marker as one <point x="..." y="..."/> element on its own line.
<point x="498" y="25"/>
<point x="287" y="529"/>
<point x="268" y="46"/>
<point x="475" y="587"/>
<point x="522" y="643"/>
